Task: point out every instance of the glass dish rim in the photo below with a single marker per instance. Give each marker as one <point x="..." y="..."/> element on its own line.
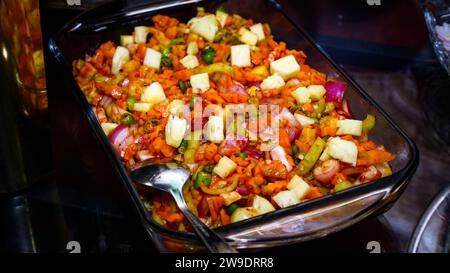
<point x="400" y="175"/>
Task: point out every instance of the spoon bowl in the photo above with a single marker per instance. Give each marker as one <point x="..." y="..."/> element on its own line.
<point x="171" y="178"/>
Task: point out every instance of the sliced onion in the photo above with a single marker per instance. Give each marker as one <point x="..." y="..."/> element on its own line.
<point x="325" y="172"/>
<point x="118" y="136"/>
<point x="252" y="152"/>
<point x="144" y="155"/>
<point x="287" y="116"/>
<point x="293" y="133"/>
<point x="345" y="109"/>
<point x="278" y="153"/>
<point x="293" y="81"/>
<point x="237" y="88"/>
<point x="242" y="190"/>
<point x="105" y="101"/>
<point x="255" y="84"/>
<point x="335" y="91"/>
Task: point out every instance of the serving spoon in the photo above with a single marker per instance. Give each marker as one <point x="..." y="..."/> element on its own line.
<point x="171" y="178"/>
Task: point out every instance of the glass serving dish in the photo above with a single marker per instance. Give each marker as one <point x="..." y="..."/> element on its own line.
<point x="305" y="221"/>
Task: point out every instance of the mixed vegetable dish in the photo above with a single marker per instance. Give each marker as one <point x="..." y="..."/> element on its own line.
<point x="145" y="90"/>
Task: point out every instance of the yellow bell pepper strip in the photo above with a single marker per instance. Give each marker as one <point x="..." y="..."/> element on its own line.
<point x="227" y="189"/>
<point x="311" y="157"/>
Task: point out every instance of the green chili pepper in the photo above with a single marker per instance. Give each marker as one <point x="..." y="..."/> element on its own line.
<point x="368" y="123"/>
<point x="294" y="150"/>
<point x="208" y="54"/>
<point x="192" y="102"/>
<point x="231" y="208"/>
<point x="127" y="119"/>
<point x="233" y="40"/>
<point x="108" y="110"/>
<point x="217" y="67"/>
<point x="202" y="179"/>
<point x="182" y="86"/>
<point x="166" y="62"/>
<point x="243" y="155"/>
<point x="208" y="168"/>
<point x="130" y="102"/>
<point x="177" y="41"/>
<point x="227" y="189"/>
<point x="165" y="59"/>
<point x="184" y="144"/>
<point x="342" y="186"/>
<point x="320" y="108"/>
<point x="154" y="120"/>
<point x="311" y="157"/>
<point x="148" y="126"/>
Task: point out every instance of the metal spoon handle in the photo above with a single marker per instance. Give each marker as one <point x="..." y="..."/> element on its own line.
<point x="212" y="241"/>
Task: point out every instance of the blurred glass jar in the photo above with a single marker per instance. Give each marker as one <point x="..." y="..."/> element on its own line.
<point x="21" y="26"/>
<point x="437" y="17"/>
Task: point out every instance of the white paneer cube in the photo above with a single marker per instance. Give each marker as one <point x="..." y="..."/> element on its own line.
<point x="108" y="127"/>
<point x="140" y="34"/>
<point x="259" y="31"/>
<point x="192" y="48"/>
<point x="200" y="82"/>
<point x="247" y="37"/>
<point x="176" y="107"/>
<point x="121" y="56"/>
<point x="214" y="129"/>
<point x="316" y="92"/>
<point x="221" y="17"/>
<point x="152" y="58"/>
<point x="272" y="82"/>
<point x="224" y="167"/>
<point x="287" y="67"/>
<point x="349" y="127"/>
<point x="240" y="55"/>
<point x="153" y="94"/>
<point x="286" y="199"/>
<point x="304" y="120"/>
<point x="299" y="186"/>
<point x="206" y="26"/>
<point x="230" y="198"/>
<point x="343" y="150"/>
<point x="126" y="39"/>
<point x="175" y="130"/>
<point x="189" y="61"/>
<point x="301" y="95"/>
<point x="262" y="205"/>
<point x="142" y="106"/>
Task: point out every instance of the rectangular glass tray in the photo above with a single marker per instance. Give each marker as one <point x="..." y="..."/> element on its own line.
<point x="305" y="221"/>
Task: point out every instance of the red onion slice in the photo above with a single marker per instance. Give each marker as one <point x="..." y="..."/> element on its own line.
<point x="118" y="136"/>
<point x="335" y="91"/>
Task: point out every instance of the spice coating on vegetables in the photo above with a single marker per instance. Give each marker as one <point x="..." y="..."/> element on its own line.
<point x="163" y="94"/>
